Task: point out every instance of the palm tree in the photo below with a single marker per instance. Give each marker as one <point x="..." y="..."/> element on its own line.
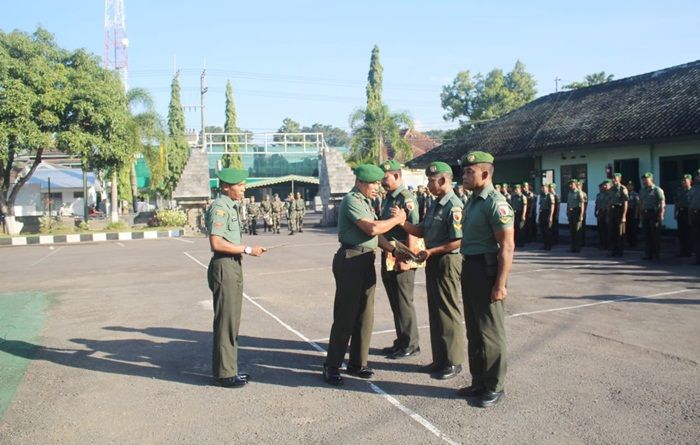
<point x="374" y="132"/>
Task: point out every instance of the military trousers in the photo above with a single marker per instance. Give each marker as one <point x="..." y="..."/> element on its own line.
<point x="651" y="227"/>
<point x="225" y="277"/>
<point x="695" y="232"/>
<point x="684" y="236"/>
<point x="485" y="322"/>
<point x="275" y="222"/>
<point x="253" y="225"/>
<point x="546" y="230"/>
<point x="519" y="229"/>
<point x="602" y="230"/>
<point x="575" y="227"/>
<point x="616" y="229"/>
<point x="399" y="290"/>
<point x="353" y="308"/>
<point x="292" y="222"/>
<point x="631" y="227"/>
<point x="447" y="335"/>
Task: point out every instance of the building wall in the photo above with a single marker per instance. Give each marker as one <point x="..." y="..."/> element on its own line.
<point x="596" y="160"/>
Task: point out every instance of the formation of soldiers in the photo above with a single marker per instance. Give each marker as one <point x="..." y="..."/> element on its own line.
<point x="271" y="212"/>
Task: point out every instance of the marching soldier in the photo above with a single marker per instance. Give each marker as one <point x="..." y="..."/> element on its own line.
<point x="399" y="276"/>
<point x="265" y="209"/>
<point x="682" y="215"/>
<point x="276" y="210"/>
<point x="519" y="203"/>
<point x="694" y="210"/>
<point x="575" y="209"/>
<point x="632" y="221"/>
<point x="291" y="214"/>
<point x="546" y="217"/>
<point x="225" y="275"/>
<point x="601" y="212"/>
<point x="617" y="215"/>
<point x="442" y="231"/>
<point x="652" y="205"/>
<point x="355" y="276"/>
<point x="487" y="255"/>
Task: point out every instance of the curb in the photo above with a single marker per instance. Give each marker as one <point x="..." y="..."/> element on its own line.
<point x="89" y="237"/>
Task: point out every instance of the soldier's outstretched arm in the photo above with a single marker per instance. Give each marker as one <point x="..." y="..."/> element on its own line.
<point x="219" y="244"/>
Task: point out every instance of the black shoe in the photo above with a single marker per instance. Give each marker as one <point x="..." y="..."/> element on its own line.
<point x="244" y="376"/>
<point x="448" y="372"/>
<point x="403" y="353"/>
<point x="389" y="349"/>
<point x="362" y="372"/>
<point x="331" y="375"/>
<point x="490" y="398"/>
<point x="471" y="391"/>
<point x="430" y="368"/>
<point x="232" y="382"/>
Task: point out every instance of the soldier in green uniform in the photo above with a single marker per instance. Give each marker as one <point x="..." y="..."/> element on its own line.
<point x="555" y="216"/>
<point x="399" y="276"/>
<point x="575" y="209"/>
<point x="617" y="215"/>
<point x="546" y="218"/>
<point x="355" y="276"/>
<point x="601" y="213"/>
<point x="300" y="207"/>
<point x="518" y="202"/>
<point x="225" y="275"/>
<point x="253" y="214"/>
<point x="585" y="211"/>
<point x="505" y="191"/>
<point x="442" y="231"/>
<point x="421" y="201"/>
<point x="694" y="215"/>
<point x="487" y="255"/>
<point x="292" y="214"/>
<point x="632" y="221"/>
<point x="459" y="191"/>
<point x="652" y="204"/>
<point x="531" y="224"/>
<point x="265" y="210"/>
<point x="276" y="210"/>
<point x="683" y="217"/>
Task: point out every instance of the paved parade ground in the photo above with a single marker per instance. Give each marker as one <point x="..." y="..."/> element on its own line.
<point x="111" y="343"/>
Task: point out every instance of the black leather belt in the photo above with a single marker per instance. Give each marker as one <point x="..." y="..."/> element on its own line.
<point x="357" y="248"/>
<point x="218" y="255"/>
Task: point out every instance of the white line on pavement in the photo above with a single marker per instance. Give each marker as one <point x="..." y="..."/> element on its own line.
<point x="182" y="240"/>
<point x="289" y="271"/>
<point x="412" y="414"/>
<point x="52" y="252"/>
<point x="120" y="244"/>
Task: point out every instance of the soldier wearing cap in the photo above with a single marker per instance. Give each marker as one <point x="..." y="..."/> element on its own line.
<point x="355" y="276"/>
<point x="505" y="191"/>
<point x="546" y="218"/>
<point x="519" y="203"/>
<point x="682" y="216"/>
<point x="652" y="206"/>
<point x="585" y="210"/>
<point x="555" y="216"/>
<point x="292" y="216"/>
<point x="276" y="210"/>
<point x="442" y="231"/>
<point x="617" y="215"/>
<point x="487" y="253"/>
<point x="300" y="207"/>
<point x="575" y="209"/>
<point x="694" y="215"/>
<point x="399" y="276"/>
<point x="253" y="211"/>
<point x="601" y="213"/>
<point x="459" y="191"/>
<point x="632" y="221"/>
<point x="225" y="275"/>
<point x="265" y="212"/>
<point x="531" y="220"/>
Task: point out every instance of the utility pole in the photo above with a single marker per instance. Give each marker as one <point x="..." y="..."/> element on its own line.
<point x="202" y="90"/>
<point x="556" y="84"/>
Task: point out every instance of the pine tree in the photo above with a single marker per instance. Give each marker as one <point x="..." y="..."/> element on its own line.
<point x="230" y="126"/>
<point x="177" y="150"/>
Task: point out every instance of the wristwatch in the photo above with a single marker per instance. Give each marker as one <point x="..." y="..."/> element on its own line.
<point x="248" y="250"/>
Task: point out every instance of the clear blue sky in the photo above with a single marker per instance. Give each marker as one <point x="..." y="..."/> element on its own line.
<point x="308" y="60"/>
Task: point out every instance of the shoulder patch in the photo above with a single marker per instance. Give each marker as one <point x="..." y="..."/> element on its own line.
<point x="409" y="205"/>
<point x="503" y="210"/>
<point x="218" y="225"/>
<point x="220" y="212"/>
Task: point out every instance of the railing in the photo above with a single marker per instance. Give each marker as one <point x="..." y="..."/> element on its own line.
<point x="265" y="143"/>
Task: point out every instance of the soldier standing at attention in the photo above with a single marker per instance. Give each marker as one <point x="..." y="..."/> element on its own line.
<point x="355" y="276"/>
<point x="300" y="206"/>
<point x="694" y="213"/>
<point x="276" y="210"/>
<point x="575" y="209"/>
<point x="555" y="217"/>
<point x="531" y="224"/>
<point x="459" y="191"/>
<point x="225" y="275"/>
<point x="617" y="215"/>
<point x="253" y="213"/>
<point x="652" y="204"/>
<point x="487" y="255"/>
<point x="632" y="221"/>
<point x="601" y="213"/>
<point x="683" y="217"/>
<point x="399" y="276"/>
<point x="265" y="208"/>
<point x="292" y="214"/>
<point x="442" y="231"/>
<point x="505" y="191"/>
<point x="420" y="199"/>
<point x="546" y="218"/>
<point x="519" y="203"/>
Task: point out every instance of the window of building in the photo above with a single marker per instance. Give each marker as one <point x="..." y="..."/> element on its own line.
<point x="671" y="171"/>
<point x="55" y="199"/>
<point x="576" y="171"/>
<point x="77" y="195"/>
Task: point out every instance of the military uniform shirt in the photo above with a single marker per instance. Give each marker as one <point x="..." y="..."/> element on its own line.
<point x="546" y="202"/>
<point x="354" y="207"/>
<point x="443" y="222"/>
<point x="633" y="201"/>
<point x="483" y="215"/>
<point x="601" y="201"/>
<point x="518" y="202"/>
<point x="683" y="197"/>
<point x="617" y="195"/>
<point x="403" y="199"/>
<point x="650" y="197"/>
<point x="574" y="199"/>
<point x="223" y="219"/>
<point x="694" y="198"/>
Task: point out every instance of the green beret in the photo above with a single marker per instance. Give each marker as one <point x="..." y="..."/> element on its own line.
<point x="572" y="181"/>
<point x="437" y="167"/>
<point x="526" y="184"/>
<point x="617" y="174"/>
<point x="687" y="176"/>
<point x="697" y="173"/>
<point x="552" y="185"/>
<point x="391" y="166"/>
<point x="232" y="175"/>
<point x="607" y="181"/>
<point x="369" y="173"/>
<point x="477" y="157"/>
<point x="505" y="184"/>
<point x="648" y="175"/>
<point x="517" y="186"/>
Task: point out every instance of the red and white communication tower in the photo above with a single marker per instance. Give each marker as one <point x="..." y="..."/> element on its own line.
<point x="116" y="44"/>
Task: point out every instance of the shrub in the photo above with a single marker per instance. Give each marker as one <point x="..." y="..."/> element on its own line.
<point x="171" y="218"/>
<point x="49" y="224"/>
<point x="119" y="225"/>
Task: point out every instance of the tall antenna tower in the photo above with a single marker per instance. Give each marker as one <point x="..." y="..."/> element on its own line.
<point x="116" y="44"/>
